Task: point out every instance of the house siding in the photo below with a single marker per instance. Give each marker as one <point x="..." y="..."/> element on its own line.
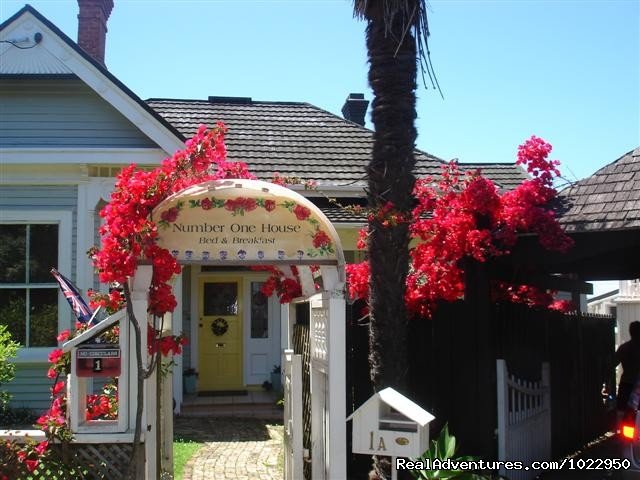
<point x="62" y="113"/>
<point x="30" y="387"/>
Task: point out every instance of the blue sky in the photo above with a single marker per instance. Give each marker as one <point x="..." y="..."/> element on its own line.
<point x="568" y="71"/>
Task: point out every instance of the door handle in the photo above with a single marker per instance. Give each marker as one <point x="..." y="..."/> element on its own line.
<point x="220" y="345"/>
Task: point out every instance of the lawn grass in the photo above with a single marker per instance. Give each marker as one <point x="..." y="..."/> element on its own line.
<point x="183" y="450"/>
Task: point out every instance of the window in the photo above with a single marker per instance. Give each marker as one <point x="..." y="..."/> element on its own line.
<point x="259" y="312"/>
<point x="28" y="293"/>
<point x="220" y="298"/>
<point x="31" y="243"/>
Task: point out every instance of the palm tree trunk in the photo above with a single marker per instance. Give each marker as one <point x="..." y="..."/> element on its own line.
<point x="392" y="76"/>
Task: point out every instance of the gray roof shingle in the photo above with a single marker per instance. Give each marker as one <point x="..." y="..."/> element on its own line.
<point x="293" y="139"/>
<point x="507" y="175"/>
<point x="299" y="139"/>
<point x="607" y="200"/>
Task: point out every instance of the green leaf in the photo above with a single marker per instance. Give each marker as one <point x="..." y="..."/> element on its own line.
<point x="444" y="448"/>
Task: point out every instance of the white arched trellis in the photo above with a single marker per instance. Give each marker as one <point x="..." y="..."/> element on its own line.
<point x="240" y="222"/>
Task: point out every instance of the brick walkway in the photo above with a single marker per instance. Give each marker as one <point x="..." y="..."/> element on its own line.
<point x="234" y="449"/>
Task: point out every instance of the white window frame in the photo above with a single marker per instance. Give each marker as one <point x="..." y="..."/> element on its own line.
<point x="64" y="220"/>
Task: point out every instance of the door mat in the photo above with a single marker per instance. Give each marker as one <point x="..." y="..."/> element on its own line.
<point x="222" y="393"/>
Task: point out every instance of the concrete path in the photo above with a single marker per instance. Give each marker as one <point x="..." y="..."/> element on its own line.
<point x="234" y="448"/>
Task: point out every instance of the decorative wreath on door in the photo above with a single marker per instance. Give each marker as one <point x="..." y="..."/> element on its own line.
<point x="219" y="326"/>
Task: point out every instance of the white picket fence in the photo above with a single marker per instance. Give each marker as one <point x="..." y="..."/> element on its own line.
<point x="524" y="420"/>
<point x="293" y="454"/>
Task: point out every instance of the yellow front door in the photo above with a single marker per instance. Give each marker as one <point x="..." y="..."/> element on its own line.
<point x="220" y="334"/>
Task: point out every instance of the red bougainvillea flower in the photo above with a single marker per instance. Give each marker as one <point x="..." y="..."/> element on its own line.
<point x="358" y="280"/>
<point x="31" y="465"/>
<point x="55" y="355"/>
<point x="41" y="448"/>
<point x="63" y="336"/>
<point x="128" y="231"/>
<point x="57" y="388"/>
<point x="466" y="216"/>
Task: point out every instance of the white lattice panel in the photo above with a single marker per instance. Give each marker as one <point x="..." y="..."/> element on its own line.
<point x="101" y="461"/>
<point x="319" y="332"/>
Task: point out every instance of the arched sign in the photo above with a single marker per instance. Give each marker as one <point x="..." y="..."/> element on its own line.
<point x="245" y="222"/>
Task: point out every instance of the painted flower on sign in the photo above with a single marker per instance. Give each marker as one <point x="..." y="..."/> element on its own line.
<point x="206" y="204"/>
<point x="240" y="205"/>
<point x="301" y="213"/>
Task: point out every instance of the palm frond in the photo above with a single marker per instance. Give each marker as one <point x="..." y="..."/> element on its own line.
<point x="413" y="15"/>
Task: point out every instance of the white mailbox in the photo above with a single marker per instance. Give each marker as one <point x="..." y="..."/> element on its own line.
<point x="390" y="424"/>
<point x="94" y="365"/>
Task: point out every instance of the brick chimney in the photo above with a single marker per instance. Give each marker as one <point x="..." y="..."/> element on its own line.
<point x="355" y="107"/>
<point x="92" y="26"/>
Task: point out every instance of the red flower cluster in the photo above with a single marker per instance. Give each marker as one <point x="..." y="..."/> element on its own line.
<point x="25" y="454"/>
<point x="53" y="421"/>
<point x="111" y="302"/>
<point x="129" y="234"/>
<point x="533" y="153"/>
<point x="387" y="215"/>
<point x="103" y="406"/>
<point x="358" y="279"/>
<point x="467" y="217"/>
<point x="530" y="296"/>
<point x="165" y="345"/>
<point x="286" y="287"/>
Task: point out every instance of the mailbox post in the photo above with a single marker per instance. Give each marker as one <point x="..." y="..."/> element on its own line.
<point x="390" y="424"/>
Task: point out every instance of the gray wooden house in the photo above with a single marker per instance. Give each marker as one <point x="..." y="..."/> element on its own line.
<point x="68" y="125"/>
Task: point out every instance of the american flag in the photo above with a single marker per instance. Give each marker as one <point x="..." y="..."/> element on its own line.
<point x="71" y="293"/>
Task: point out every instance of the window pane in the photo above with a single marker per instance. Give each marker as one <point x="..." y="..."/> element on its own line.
<point x="13" y="253"/>
<point x="259" y="312"/>
<point x="43" y="320"/>
<point x="43" y="253"/>
<point x="12" y="313"/>
<point x="220" y="298"/>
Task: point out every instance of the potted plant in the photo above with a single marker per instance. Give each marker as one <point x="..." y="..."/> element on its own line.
<point x="275" y="378"/>
<point x="189" y="379"/>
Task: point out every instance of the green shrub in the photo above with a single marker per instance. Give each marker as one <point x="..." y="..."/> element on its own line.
<point x="8" y="349"/>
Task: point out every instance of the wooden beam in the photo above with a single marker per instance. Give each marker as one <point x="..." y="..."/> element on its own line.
<point x="551" y="282"/>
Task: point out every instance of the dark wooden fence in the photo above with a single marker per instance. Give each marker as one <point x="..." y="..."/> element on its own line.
<point x="452" y="362"/>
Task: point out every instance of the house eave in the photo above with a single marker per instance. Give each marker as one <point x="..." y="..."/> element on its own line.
<point x="67" y="58"/>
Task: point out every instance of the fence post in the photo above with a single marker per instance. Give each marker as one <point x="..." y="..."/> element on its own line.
<point x="337" y="385"/>
<point x="293" y="451"/>
<point x="546" y="401"/>
<point x="296" y="416"/>
<point x="503" y="409"/>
